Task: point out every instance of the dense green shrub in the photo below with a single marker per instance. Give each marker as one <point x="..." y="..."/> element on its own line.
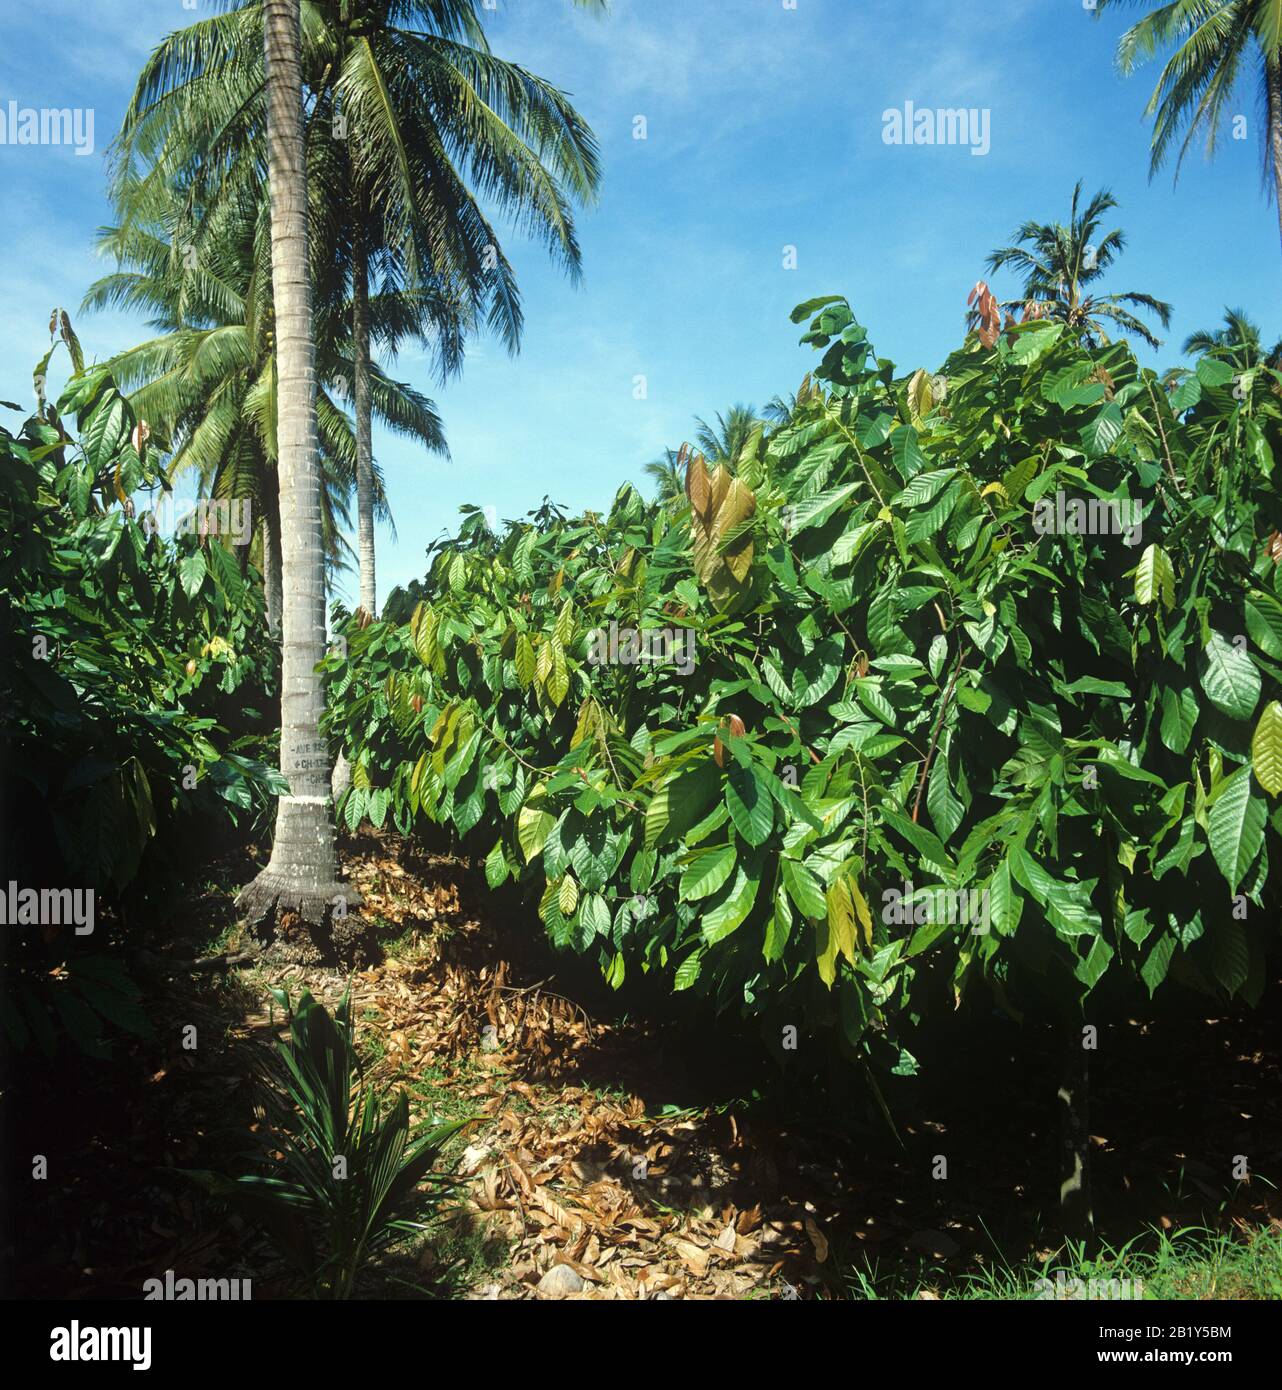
<point x="136" y="692"/>
<point x="906" y="672"/>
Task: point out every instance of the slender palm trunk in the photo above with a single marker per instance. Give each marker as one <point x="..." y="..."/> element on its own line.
<point x="302" y="874"/>
<point x="1273" y="85"/>
<point x="341" y="778"/>
<point x="364" y="430"/>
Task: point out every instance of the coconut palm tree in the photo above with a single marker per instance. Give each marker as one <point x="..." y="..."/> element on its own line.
<point x="421" y="123"/>
<point x="781" y="408"/>
<point x="1060" y="263"/>
<point x="668" y="473"/>
<point x="1238" y="343"/>
<point x="522" y="141"/>
<point x="1216" y="43"/>
<point x="206" y="383"/>
<point x="302" y="874"/>
<point x="721" y="442"/>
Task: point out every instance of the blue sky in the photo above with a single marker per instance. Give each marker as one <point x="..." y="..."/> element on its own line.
<point x="764" y="131"/>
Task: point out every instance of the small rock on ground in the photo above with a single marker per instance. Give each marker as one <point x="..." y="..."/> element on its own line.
<point x="559" y="1281"/>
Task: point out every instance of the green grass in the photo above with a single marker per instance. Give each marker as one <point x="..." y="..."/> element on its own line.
<point x="1191" y="1264"/>
<point x="395" y="939"/>
<point x="456" y="1252"/>
<point x="457" y="1255"/>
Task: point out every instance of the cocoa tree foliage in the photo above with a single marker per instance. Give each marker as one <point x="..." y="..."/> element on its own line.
<point x="909" y="668"/>
<point x="131" y="667"/>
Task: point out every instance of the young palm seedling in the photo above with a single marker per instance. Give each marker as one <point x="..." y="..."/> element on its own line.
<point x="345" y="1161"/>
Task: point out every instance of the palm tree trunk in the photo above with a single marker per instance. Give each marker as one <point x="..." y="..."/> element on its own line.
<point x="302" y="873"/>
<point x="1273" y="85"/>
<point x="361" y="394"/>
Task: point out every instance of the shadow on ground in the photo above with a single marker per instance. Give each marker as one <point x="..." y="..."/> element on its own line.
<point x="654" y="1160"/>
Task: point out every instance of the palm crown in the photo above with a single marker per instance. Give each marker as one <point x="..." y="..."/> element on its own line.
<point x="1061" y="263"/>
<point x="412" y="124"/>
<point x="1238" y="342"/>
<point x="1216" y="43"/>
